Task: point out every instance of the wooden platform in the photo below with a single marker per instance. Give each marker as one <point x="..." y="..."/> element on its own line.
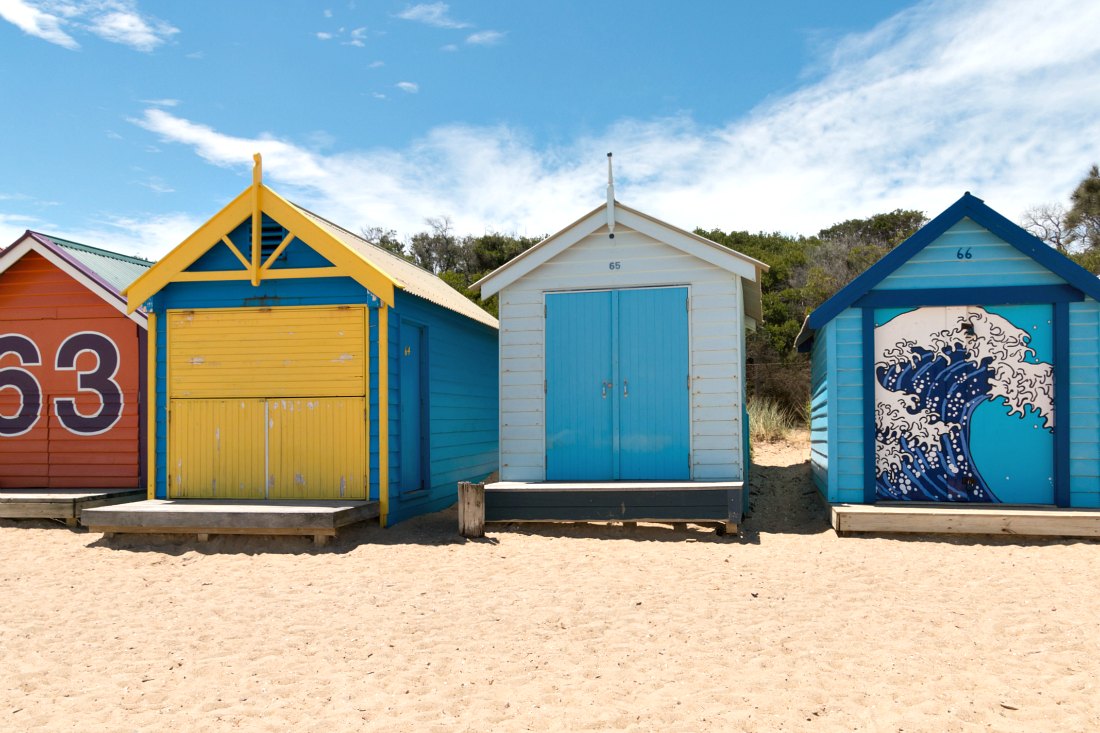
<point x="319" y="519"/>
<point x="66" y="504"/>
<point x="715" y="502"/>
<point x="986" y="519"/>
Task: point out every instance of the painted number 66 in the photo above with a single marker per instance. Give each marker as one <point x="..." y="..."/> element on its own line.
<point x="99" y="381"/>
<point x="960" y="255"/>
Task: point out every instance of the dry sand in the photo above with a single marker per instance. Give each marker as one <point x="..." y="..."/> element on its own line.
<point x="582" y="627"/>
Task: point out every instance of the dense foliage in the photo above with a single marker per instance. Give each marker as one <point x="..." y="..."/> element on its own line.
<point x="804" y="272"/>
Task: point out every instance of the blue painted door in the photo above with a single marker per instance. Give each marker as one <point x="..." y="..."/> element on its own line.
<point x="412" y="407"/>
<point x="579" y="387"/>
<point x="653" y="387"/>
<point x="965" y="404"/>
<point x="617" y="390"/>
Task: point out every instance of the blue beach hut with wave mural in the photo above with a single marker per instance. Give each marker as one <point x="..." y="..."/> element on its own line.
<point x="962" y="370"/>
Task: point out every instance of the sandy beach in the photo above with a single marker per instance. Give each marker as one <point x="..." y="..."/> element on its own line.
<point x="573" y="627"/>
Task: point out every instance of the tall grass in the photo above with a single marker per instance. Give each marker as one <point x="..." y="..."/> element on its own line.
<point x="769" y="421"/>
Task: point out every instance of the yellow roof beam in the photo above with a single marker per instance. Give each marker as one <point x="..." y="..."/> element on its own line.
<point x="254" y="202"/>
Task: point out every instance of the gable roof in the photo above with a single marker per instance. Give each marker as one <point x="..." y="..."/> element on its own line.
<point x="376" y="269"/>
<point x="103" y="272"/>
<point x="746" y="267"/>
<point x="969" y="207"/>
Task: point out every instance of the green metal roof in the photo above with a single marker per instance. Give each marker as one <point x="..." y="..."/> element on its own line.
<point x="115" y="269"/>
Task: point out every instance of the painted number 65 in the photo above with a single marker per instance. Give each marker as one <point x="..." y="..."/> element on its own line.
<point x="961" y="255"/>
<point x="100" y="381"/>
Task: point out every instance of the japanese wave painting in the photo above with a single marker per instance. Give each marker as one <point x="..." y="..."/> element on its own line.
<point x="964" y="404"/>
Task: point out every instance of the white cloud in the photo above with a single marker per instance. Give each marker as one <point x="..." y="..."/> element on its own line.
<point x="121" y="23"/>
<point x="328" y="13"/>
<point x="357" y="36"/>
<point x="161" y="102"/>
<point x="436" y="14"/>
<point x="35" y="22"/>
<point x="940" y="99"/>
<point x="449" y="48"/>
<point x="409" y="87"/>
<point x="117" y="21"/>
<point x="485" y="38"/>
<point x="378" y="95"/>
<point x="376" y="64"/>
<point x="150" y="235"/>
<point x="324" y="36"/>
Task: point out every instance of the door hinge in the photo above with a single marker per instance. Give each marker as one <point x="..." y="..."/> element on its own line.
<point x="687" y="304"/>
<point x="689" y="382"/>
<point x="544" y="387"/>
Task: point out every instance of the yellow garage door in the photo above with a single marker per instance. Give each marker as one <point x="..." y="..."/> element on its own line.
<point x="316" y="448"/>
<point x="268" y="403"/>
<point x="217" y="449"/>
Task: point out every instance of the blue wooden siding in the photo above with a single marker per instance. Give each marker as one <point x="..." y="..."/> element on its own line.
<point x="1084" y="393"/>
<point x="992" y="263"/>
<point x="847" y="426"/>
<point x="462" y="409"/>
<point x="820" y="366"/>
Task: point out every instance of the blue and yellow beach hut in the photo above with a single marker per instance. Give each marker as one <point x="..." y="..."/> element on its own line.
<point x="961" y="368"/>
<point x="292" y="360"/>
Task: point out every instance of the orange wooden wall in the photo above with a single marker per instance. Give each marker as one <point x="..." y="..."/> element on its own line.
<point x="42" y="303"/>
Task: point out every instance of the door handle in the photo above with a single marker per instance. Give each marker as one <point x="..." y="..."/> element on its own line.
<point x="604" y="387"/>
<point x="626" y="388"/>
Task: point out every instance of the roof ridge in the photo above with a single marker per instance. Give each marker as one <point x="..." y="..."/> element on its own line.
<point x="62" y="242"/>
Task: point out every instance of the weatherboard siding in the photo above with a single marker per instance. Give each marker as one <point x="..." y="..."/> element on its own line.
<point x="992" y="263"/>
<point x="462" y="404"/>
<point x="715" y="333"/>
<point x="1084" y="400"/>
<point x="847" y="423"/>
<point x="819" y="412"/>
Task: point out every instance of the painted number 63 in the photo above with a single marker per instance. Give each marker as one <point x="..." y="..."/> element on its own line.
<point x="961" y="255"/>
<point x="100" y="381"/>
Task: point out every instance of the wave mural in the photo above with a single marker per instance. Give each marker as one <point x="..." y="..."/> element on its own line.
<point x="934" y="367"/>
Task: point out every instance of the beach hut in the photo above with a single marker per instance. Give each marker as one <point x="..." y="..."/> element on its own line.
<point x="960" y="369"/>
<point x="622" y="373"/>
<point x="294" y="361"/>
<point x="71" y="413"/>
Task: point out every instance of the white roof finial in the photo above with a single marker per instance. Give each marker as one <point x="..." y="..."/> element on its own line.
<point x="610" y="200"/>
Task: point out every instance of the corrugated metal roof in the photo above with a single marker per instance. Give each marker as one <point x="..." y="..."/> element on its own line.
<point x="115" y="269"/>
<point x="411" y="278"/>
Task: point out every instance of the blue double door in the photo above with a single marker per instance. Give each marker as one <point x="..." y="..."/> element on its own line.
<point x="618" y="385"/>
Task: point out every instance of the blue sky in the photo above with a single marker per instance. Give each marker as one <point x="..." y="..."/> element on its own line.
<point x="128" y="123"/>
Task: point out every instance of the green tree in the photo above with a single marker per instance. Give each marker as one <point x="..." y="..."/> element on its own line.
<point x="1083" y="217"/>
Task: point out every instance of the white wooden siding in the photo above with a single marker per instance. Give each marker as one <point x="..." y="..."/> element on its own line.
<point x="716" y="333"/>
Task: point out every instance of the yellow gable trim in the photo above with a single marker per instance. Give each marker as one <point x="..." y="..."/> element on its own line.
<point x="185" y="254"/>
<point x="211" y="234"/>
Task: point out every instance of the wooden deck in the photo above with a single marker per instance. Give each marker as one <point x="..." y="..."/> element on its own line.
<point x="319" y="519"/>
<point x="987" y="519"/>
<point x="713" y="502"/>
<point x="66" y="504"/>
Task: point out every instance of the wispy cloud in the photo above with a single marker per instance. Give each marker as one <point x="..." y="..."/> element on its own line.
<point x="376" y="64"/>
<point x="167" y="102"/>
<point x="436" y="14"/>
<point x="324" y="36"/>
<point x="449" y="48"/>
<point x="409" y="87"/>
<point x="117" y="21"/>
<point x="33" y="21"/>
<point x="485" y="38"/>
<point x="356" y="37"/>
<point x="148" y="235"/>
<point x="905" y="115"/>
